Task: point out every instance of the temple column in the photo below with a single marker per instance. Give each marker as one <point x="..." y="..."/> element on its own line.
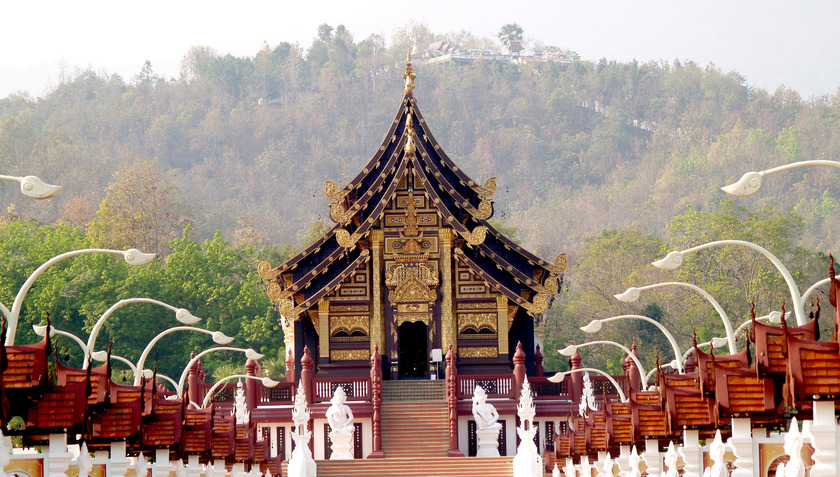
<point x="502" y="326"/>
<point x="448" y="325"/>
<point x="377" y="321"/>
<point x="324" y="330"/>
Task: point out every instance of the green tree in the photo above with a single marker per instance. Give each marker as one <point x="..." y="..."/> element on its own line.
<point x="610" y="263"/>
<point x="142" y="210"/>
<point x="510" y="32"/>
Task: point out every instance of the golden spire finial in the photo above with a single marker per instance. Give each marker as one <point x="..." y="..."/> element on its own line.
<point x="410" y="147"/>
<point x="409" y="74"/>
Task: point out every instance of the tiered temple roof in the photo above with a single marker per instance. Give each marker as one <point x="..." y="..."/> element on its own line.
<point x="410" y="150"/>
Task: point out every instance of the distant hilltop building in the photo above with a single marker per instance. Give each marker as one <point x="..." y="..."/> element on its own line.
<point x="444" y="52"/>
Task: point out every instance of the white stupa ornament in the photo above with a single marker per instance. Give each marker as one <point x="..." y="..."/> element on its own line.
<point x="528" y="462"/>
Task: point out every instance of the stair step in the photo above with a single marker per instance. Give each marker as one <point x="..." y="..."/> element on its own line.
<point x="418" y="390"/>
<point x="416" y="467"/>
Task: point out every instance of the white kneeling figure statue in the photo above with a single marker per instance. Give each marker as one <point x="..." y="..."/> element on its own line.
<point x="340" y="419"/>
<point x="487" y="425"/>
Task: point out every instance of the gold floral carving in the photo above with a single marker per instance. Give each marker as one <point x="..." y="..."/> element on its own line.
<point x="377" y="325"/>
<point x="479" y="352"/>
<point x="313" y="316"/>
<point x="539" y="304"/>
<point x="411" y="283"/>
<point x="272" y="288"/>
<point x="483" y="305"/>
<point x="339" y="214"/>
<point x="348" y="308"/>
<point x="484" y="211"/>
<point x="476" y="237"/>
<point x="511" y="313"/>
<point x="333" y="193"/>
<point x="559" y="266"/>
<point x="477" y="321"/>
<point x="447" y="312"/>
<point x="345" y="239"/>
<point x="266" y="272"/>
<point x="412" y="308"/>
<point x="285" y="307"/>
<point x="551" y="286"/>
<point x="503" y="324"/>
<point x="349" y="354"/>
<point x="413" y="317"/>
<point x="349" y="324"/>
<point x="489" y="188"/>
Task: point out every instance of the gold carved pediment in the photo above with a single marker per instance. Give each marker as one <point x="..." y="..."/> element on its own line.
<point x="411" y="282"/>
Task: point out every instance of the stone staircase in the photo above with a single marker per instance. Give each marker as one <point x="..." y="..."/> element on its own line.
<point x="418" y="390"/>
<point x="415" y="439"/>
<point x="419" y="467"/>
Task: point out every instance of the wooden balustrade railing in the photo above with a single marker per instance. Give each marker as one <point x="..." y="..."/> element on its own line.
<point x="495" y="386"/>
<point x="357" y="389"/>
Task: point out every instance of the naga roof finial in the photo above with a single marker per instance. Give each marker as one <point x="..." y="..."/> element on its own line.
<point x="409" y="75"/>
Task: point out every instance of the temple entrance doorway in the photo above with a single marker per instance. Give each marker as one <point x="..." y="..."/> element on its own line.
<point x="414" y="350"/>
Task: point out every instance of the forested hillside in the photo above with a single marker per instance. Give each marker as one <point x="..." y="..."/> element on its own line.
<point x="243" y="145"/>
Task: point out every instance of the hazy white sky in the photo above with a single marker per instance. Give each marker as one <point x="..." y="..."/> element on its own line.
<point x="770" y="42"/>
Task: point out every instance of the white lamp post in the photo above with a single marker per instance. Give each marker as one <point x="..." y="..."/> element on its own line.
<point x="557" y="378"/>
<point x="131" y="256"/>
<point x="41" y="330"/>
<point x="594" y="326"/>
<point x="181" y="315"/>
<point x="249" y="353"/>
<point x="267" y="382"/>
<point x="751" y="182"/>
<point x="773" y="317"/>
<point x="32" y="186"/>
<point x="103" y="355"/>
<point x="675" y="259"/>
<point x="218" y="338"/>
<point x="715" y="342"/>
<point x="570" y="350"/>
<point x="632" y="294"/>
<point x="813" y="288"/>
<point x="147" y="373"/>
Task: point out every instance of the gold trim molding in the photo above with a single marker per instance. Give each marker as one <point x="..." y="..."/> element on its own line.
<point x="477" y="321"/>
<point x="349" y="354"/>
<point x="349" y="324"/>
<point x="479" y="352"/>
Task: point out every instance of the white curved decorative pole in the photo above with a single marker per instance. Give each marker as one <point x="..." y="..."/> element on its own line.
<point x="218" y="338"/>
<point x="267" y="382"/>
<point x="632" y="294"/>
<point x="570" y="350"/>
<point x="32" y="186"/>
<point x="813" y="288"/>
<point x="102" y="355"/>
<point x="594" y="326"/>
<point x="557" y="378"/>
<point x="181" y="315"/>
<point x="675" y="259"/>
<point x="714" y="342"/>
<point x="41" y="330"/>
<point x="773" y="317"/>
<point x="131" y="256"/>
<point x="249" y="353"/>
<point x="751" y="182"/>
<point x="149" y="374"/>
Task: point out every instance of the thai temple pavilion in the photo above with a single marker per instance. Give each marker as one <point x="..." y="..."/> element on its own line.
<point x="412" y="265"/>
